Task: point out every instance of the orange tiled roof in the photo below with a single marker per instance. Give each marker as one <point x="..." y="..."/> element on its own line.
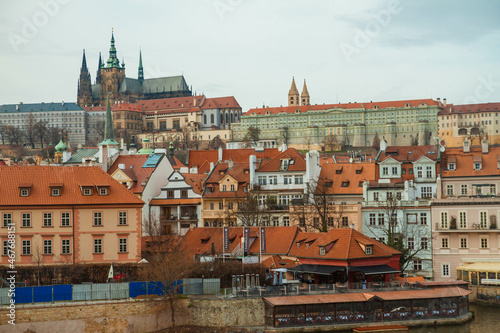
<point x="470" y="108"/>
<point x="220" y="171"/>
<point x="276" y="261"/>
<point x="303" y="240"/>
<point x="202" y="158"/>
<point x="409" y="153"/>
<point x="134" y="163"/>
<point x="196" y="181"/>
<point x="465" y="162"/>
<point x="71" y="177"/>
<point x="344" y="244"/>
<point x="115" y="107"/>
<point x="184" y="201"/>
<point x="274" y="164"/>
<point x="220" y="103"/>
<point x="366" y="106"/>
<point x="199" y="240"/>
<point x="187" y="104"/>
<point x="350" y="178"/>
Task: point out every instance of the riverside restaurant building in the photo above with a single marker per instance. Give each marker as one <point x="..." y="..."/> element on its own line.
<point x="374" y="307"/>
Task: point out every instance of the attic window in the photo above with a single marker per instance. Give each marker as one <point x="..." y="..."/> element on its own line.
<point x="369" y="249"/>
<point x="375" y="106"/>
<point x="322" y="251"/>
<point x="284" y="164"/>
<point x="297" y="111"/>
<point x="359" y="170"/>
<point x="221" y="172"/>
<point x="345" y="183"/>
<point x="25" y="192"/>
<point x="338" y="171"/>
<point x="360" y="184"/>
<point x="329" y="184"/>
<point x="55" y="192"/>
<point x="268" y="112"/>
<point x="407" y="105"/>
<point x="103" y="191"/>
<point x="451" y="166"/>
<point x="87" y="190"/>
<point x="205" y="240"/>
<point x="246" y="171"/>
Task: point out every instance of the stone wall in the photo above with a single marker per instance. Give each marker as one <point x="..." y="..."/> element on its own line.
<point x="132" y="315"/>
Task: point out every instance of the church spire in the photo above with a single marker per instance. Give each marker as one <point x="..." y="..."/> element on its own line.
<point x="306" y="99"/>
<point x="109" y="134"/>
<point x="141" y="70"/>
<point x="84" y="62"/>
<point x="112" y="60"/>
<point x="98" y="77"/>
<point x="293" y="94"/>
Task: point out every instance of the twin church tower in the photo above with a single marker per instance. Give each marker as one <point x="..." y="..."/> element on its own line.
<point x="111" y="82"/>
<point x="293" y="95"/>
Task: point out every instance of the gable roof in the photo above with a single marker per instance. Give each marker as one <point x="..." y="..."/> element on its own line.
<point x="344" y="244"/>
<point x="470" y="108"/>
<point x="274" y="165"/>
<point x="76" y="158"/>
<point x="222" y="170"/>
<point x="202" y="158"/>
<point x="196" y="181"/>
<point x="135" y="170"/>
<point x="71" y="178"/>
<point x="409" y="153"/>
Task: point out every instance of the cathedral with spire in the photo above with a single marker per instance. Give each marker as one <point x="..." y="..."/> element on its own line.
<point x="111" y="81"/>
<point x="293" y="95"/>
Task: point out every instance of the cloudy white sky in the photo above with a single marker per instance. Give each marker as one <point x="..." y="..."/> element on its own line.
<point x="346" y="50"/>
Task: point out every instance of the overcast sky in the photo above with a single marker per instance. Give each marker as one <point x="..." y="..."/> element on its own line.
<point x="346" y="50"/>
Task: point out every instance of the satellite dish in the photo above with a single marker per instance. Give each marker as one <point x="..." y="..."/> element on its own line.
<point x="442" y="149"/>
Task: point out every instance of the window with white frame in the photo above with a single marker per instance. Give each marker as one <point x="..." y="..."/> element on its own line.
<point x="423" y="218"/>
<point x="385" y="171"/>
<point x="372" y="220"/>
<point x="122" y="218"/>
<point x="394" y="170"/>
<point x="381" y="219"/>
<point x="445" y="270"/>
<point x="417" y="265"/>
<point x="65" y="221"/>
<point x="47" y="219"/>
<point x="66" y="246"/>
<point x="424" y="243"/>
<point x="483" y="220"/>
<point x="233" y="188"/>
<point x="463" y="189"/>
<point x="463" y="243"/>
<point x="273" y="180"/>
<point x="299" y="179"/>
<point x="287" y="180"/>
<point x="477" y="166"/>
<point x="97" y="218"/>
<point x="419" y="172"/>
<point x="47" y="246"/>
<point x="375" y="196"/>
<point x="429" y="171"/>
<point x="368" y="249"/>
<point x="276" y="221"/>
<point x="26" y="220"/>
<point x="221" y="206"/>
<point x="224" y="188"/>
<point x="123" y="245"/>
<point x="451" y="166"/>
<point x="479" y="190"/>
<point x="262" y="180"/>
<point x="493" y="189"/>
<point x="462" y="220"/>
<point x="7" y="219"/>
<point x="426" y="192"/>
<point x="444" y="242"/>
<point x="322" y="251"/>
<point x="484" y="243"/>
<point x="26" y="247"/>
<point x="449" y="190"/>
<point x="411" y="243"/>
<point x="98" y="245"/>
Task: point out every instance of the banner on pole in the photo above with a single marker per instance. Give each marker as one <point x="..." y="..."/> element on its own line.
<point x="262" y="239"/>
<point x="246" y="239"/>
<point x="226" y="239"/>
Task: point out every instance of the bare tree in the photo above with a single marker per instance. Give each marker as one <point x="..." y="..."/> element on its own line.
<point x="253" y="134"/>
<point x="100" y="129"/>
<point x="285" y="135"/>
<point x="250" y="210"/>
<point x="3" y="133"/>
<point x="40" y="130"/>
<point x="14" y="135"/>
<point x="308" y="142"/>
<point x="30" y="131"/>
<point x="37" y="259"/>
<point x="403" y="234"/>
<point x="330" y="142"/>
<point x="216" y="143"/>
<point x="376" y="142"/>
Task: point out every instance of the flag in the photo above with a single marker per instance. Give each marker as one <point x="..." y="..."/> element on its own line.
<point x="110" y="274"/>
<point x="262" y="239"/>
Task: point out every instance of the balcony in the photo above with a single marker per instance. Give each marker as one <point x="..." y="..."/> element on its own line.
<point x="471" y="227"/>
<point x="401" y="203"/>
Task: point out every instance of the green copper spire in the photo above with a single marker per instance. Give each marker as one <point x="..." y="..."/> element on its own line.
<point x="141" y="70"/>
<point x="112" y="60"/>
<point x="109" y="134"/>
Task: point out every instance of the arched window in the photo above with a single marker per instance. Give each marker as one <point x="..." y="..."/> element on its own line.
<point x="205" y="119"/>
<point x="212" y="118"/>
<point x="232" y="117"/>
<point x="227" y="118"/>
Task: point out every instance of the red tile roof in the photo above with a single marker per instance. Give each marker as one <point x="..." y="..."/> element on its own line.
<point x="187" y="104"/>
<point x="115" y="107"/>
<point x="220" y="103"/>
<point x="366" y="106"/>
<point x="465" y="162"/>
<point x="72" y="178"/>
<point x="276" y="261"/>
<point x="344" y="244"/>
<point x="199" y="240"/>
<point x="196" y="181"/>
<point x="202" y="158"/>
<point x="134" y="163"/>
<point x="274" y="165"/>
<point x="409" y="153"/>
<point x="470" y="108"/>
<point x="220" y="171"/>
<point x="350" y="178"/>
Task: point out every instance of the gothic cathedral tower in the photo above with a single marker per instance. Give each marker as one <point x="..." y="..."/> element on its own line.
<point x="293" y="95"/>
<point x="112" y="75"/>
<point x="84" y="85"/>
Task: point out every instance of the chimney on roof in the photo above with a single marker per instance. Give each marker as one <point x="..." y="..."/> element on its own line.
<point x="62" y="103"/>
<point x="121" y="166"/>
<point x="211" y="166"/>
<point x="194" y="101"/>
<point x="219" y="153"/>
<point x="466" y="146"/>
<point x="484" y="146"/>
<point x="439" y="99"/>
<point x="230" y="163"/>
<point x="444" y="101"/>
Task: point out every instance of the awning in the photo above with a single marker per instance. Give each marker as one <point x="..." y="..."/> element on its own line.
<point x="374" y="270"/>
<point x="317" y="269"/>
<point x="481" y="267"/>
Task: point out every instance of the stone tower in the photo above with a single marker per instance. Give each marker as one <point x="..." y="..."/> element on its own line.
<point x="98" y="78"/>
<point x="84" y="96"/>
<point x="306" y="100"/>
<point x="112" y="74"/>
<point x="293" y="95"/>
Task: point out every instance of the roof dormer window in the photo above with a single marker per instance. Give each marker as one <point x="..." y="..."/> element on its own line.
<point x="369" y="249"/>
<point x="24" y="190"/>
<point x="478" y="162"/>
<point x="55" y="192"/>
<point x="284" y="164"/>
<point x="87" y="191"/>
<point x="103" y="191"/>
<point x="322" y="251"/>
